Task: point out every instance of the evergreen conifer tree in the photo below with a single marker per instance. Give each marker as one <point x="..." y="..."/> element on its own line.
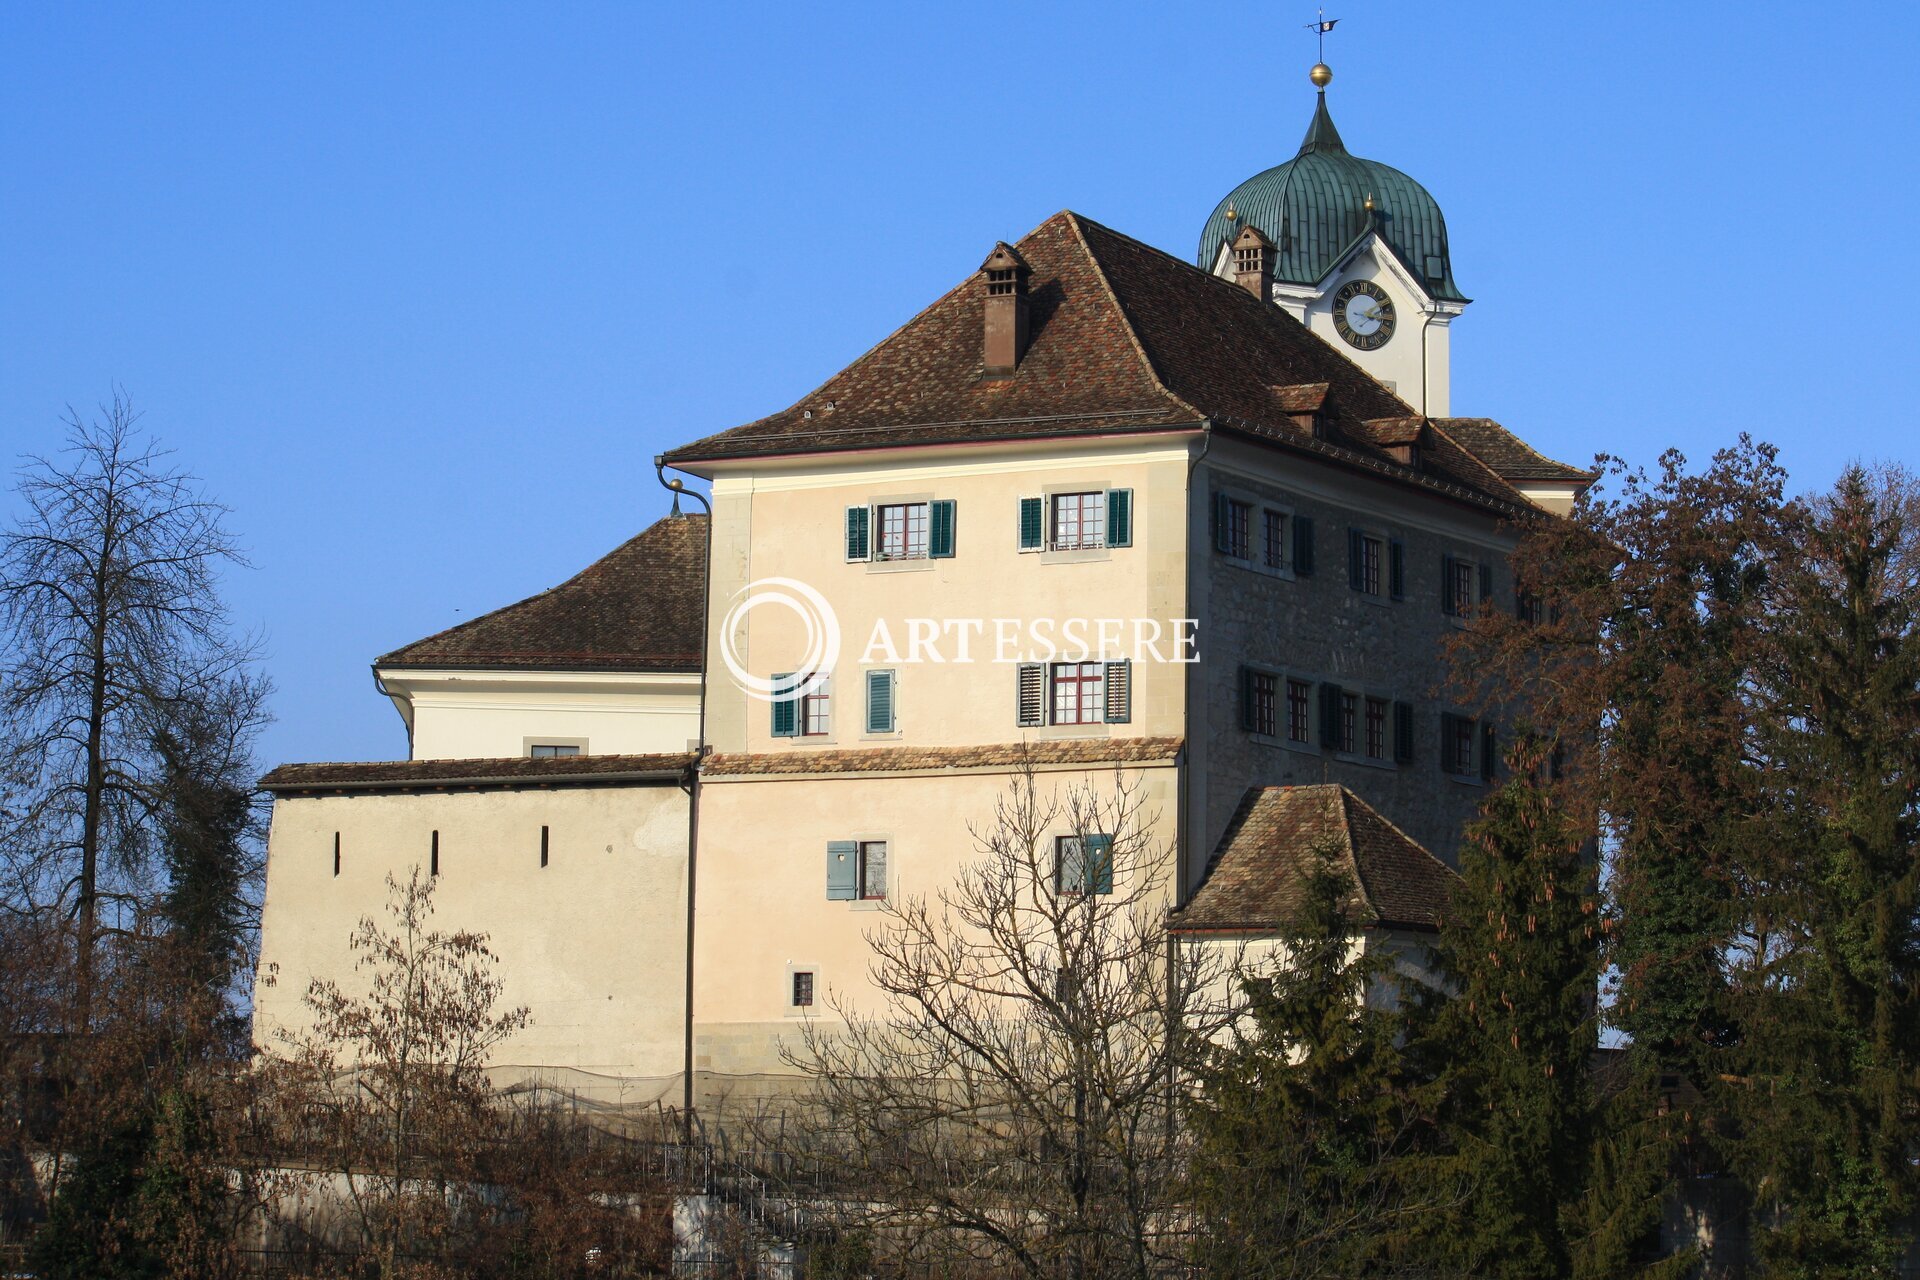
<point x="1307" y="1124"/>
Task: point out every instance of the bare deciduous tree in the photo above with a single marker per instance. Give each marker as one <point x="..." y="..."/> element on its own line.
<point x="1009" y="1109"/>
<point x="395" y="1077"/>
<point x="113" y="626"/>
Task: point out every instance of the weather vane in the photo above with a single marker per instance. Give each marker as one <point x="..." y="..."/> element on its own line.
<point x="1320" y="27"/>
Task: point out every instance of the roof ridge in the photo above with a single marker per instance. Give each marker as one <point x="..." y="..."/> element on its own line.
<point x="479" y="618"/>
<point x="1512" y="435"/>
<point x="1080" y="226"/>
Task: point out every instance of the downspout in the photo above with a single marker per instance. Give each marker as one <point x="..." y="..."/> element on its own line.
<point x="692" y="787"/>
<point x="1193" y="670"/>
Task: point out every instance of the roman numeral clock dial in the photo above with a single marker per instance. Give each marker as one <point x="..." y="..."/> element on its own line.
<point x="1363" y="314"/>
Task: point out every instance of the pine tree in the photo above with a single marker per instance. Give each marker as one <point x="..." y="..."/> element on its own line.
<point x="1307" y="1124"/>
<point x="1511" y="1037"/>
<point x="1829" y="1062"/>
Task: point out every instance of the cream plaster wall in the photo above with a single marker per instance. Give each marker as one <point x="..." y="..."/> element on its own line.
<point x="594" y="943"/>
<point x="763" y="908"/>
<point x="786" y="520"/>
<point x="480" y="714"/>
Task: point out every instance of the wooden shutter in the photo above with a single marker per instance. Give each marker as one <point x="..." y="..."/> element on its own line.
<point x="1098" y="860"/>
<point x="1330" y="715"/>
<point x="1447" y="761"/>
<point x="1119" y="691"/>
<point x="1031" y="695"/>
<point x="1246" y="699"/>
<point x="1489" y="752"/>
<point x="1486" y="583"/>
<point x="1303" y="546"/>
<point x="1403" y="733"/>
<point x="1356" y="560"/>
<point x="1119" y="517"/>
<point x="786" y="711"/>
<point x="1397" y="569"/>
<point x="879" y="702"/>
<point x="843" y="870"/>
<point x="1446" y="585"/>
<point x="1033" y="524"/>
<point x="940" y="529"/>
<point x="858" y="547"/>
<point x="1222" y="538"/>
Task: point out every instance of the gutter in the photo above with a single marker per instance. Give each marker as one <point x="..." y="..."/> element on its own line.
<point x="490" y="781"/>
<point x="692" y="786"/>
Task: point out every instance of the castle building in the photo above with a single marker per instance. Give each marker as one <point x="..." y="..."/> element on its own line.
<point x="675" y="806"/>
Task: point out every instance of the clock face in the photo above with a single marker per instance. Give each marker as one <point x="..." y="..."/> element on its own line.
<point x="1363" y="313"/>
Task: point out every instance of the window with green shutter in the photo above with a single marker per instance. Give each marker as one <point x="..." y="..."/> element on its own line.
<point x="880" y="702"/>
<point x="786" y="710"/>
<point x="858" y="542"/>
<point x="843" y="870"/>
<point x="1119" y="517"/>
<point x="940" y="540"/>
<point x="1033" y="524"/>
<point x="1083" y="864"/>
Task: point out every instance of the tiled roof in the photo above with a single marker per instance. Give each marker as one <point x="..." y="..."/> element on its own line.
<point x="637" y="608"/>
<point x="376" y="775"/>
<point x="1507" y="453"/>
<point x="1123" y="338"/>
<point x="909" y="759"/>
<point x="1258" y="875"/>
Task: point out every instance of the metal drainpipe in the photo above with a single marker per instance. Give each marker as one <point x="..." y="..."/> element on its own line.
<point x="678" y="488"/>
<point x="1193" y="671"/>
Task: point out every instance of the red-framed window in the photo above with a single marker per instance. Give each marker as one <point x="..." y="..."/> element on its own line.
<point x="1079" y="692"/>
<point x="903" y="531"/>
<point x="1079" y="521"/>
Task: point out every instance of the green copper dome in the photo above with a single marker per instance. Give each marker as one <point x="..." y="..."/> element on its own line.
<point x="1314" y="207"/>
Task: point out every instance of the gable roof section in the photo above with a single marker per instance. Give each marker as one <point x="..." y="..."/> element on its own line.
<point x="637" y="608"/>
<point x="1123" y="338"/>
<point x="1258" y="877"/>
<point x="1507" y="453"/>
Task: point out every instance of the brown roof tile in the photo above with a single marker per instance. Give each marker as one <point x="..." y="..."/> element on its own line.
<point x="1124" y="338"/>
<point x="371" y="775"/>
<point x="1507" y="453"/>
<point x="1259" y="873"/>
<point x="907" y="759"/>
<point x="637" y="608"/>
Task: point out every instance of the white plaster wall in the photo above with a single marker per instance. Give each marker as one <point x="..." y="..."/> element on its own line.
<point x="461" y="715"/>
<point x="594" y="943"/>
<point x="1421" y="379"/>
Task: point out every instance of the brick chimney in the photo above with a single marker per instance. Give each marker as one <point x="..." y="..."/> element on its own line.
<point x="1253" y="262"/>
<point x="1004" y="277"/>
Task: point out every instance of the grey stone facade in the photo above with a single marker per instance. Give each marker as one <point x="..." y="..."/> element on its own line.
<point x="1316" y="628"/>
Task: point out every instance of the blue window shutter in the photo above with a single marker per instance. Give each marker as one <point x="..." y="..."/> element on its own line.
<point x="1355" y="554"/>
<point x="1030" y="695"/>
<point x="879" y="702"/>
<point x="1099" y="864"/>
<point x="1303" y="546"/>
<point x="940" y="529"/>
<point x="1119" y="691"/>
<point x="843" y="870"/>
<point x="786" y="711"/>
<point x="1119" y="517"/>
<point x="1033" y="524"/>
<point x="857" y="547"/>
<point x="1397" y="569"/>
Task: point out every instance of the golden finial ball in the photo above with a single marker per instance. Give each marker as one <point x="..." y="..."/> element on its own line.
<point x="1321" y="75"/>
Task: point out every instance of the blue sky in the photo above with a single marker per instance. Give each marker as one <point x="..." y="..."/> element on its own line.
<point x="421" y="289"/>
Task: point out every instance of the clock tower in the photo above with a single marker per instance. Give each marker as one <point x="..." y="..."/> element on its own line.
<point x="1359" y="255"/>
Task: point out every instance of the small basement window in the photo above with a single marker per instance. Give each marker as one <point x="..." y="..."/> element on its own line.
<point x="801" y="995"/>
